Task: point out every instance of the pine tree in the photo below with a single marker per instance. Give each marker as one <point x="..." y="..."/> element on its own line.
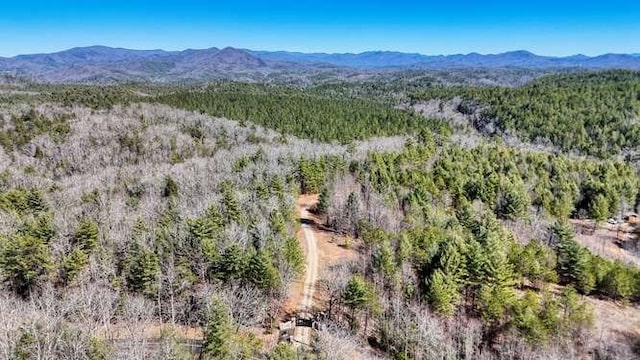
<point x="201" y="228"/>
<point x="217" y="342"/>
<point x="357" y="293"/>
<point x="526" y="318"/>
<point x="25" y="262"/>
<point x="450" y="258"/>
<point x="573" y="265"/>
<point x="232" y="264"/>
<point x="443" y="292"/>
<point x="277" y="223"/>
<point x="324" y="201"/>
<point x="42" y="227"/>
<point x="25" y="348"/>
<point x="35" y="201"/>
<point x="293" y="254"/>
<point x="277" y="187"/>
<point x="72" y="264"/>
<point x="558" y="233"/>
<point x="86" y="236"/>
<point x="261" y="272"/>
<point x="512" y="202"/>
<point x="143" y="270"/>
<point x="537" y="263"/>
<point x="495" y="302"/>
<point x="476" y="261"/>
<point x="575" y="314"/>
<point x="619" y="282"/>
<point x="383" y="259"/>
<point x="498" y="268"/>
<point x="232" y="211"/>
<point x="140" y="228"/>
<point x="599" y="208"/>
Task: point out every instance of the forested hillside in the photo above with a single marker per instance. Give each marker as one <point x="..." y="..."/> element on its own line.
<point x="292" y="111"/>
<point x="592" y="113"/>
<point x="159" y="222"/>
<point x="138" y="216"/>
<point x="481" y="237"/>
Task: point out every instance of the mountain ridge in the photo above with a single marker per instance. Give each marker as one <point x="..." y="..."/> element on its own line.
<point x="97" y="63"/>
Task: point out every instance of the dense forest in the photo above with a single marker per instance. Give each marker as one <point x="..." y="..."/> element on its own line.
<point x="164" y="222"/>
<point x="593" y="113"/>
<point x="301" y="113"/>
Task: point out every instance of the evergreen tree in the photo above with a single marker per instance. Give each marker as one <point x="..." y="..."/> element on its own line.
<point x="619" y="282"/>
<point x="143" y="270"/>
<point x="559" y="233"/>
<point x="324" y="201"/>
<point x="495" y="303"/>
<point x="599" y="209"/>
<point x="443" y="292"/>
<point x="293" y="254"/>
<point x="86" y="236"/>
<point x="25" y="262"/>
<point x="261" y="272"/>
<point x="232" y="212"/>
<point x="72" y="264"/>
<point x="357" y="293"/>
<point x="512" y="202"/>
<point x="527" y="318"/>
<point x="42" y="227"/>
<point x="277" y="223"/>
<point x="232" y="263"/>
<point x="537" y="263"/>
<point x="383" y="259"/>
<point x="25" y="348"/>
<point x="35" y="201"/>
<point x="573" y="264"/>
<point x="217" y="342"/>
<point x="576" y="315"/>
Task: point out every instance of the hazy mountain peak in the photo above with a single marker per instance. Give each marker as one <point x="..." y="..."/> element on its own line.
<point x="520" y="53"/>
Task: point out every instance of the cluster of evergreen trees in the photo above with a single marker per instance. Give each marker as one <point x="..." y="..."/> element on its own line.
<point x="27" y="259"/>
<point x="508" y="181"/>
<point x="30" y="125"/>
<point x="465" y="261"/>
<point x="302" y="113"/>
<point x="593" y="113"/>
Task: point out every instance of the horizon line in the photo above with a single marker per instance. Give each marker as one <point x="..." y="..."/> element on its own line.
<point x="319" y="52"/>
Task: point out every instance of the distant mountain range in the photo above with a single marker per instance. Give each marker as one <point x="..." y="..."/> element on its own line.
<point x="514" y="59"/>
<point x="108" y="65"/>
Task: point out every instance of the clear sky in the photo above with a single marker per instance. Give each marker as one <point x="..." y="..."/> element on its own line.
<point x="429" y="27"/>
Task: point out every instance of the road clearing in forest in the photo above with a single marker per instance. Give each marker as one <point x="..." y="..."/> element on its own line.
<point x="322" y="249"/>
<point x="302" y="335"/>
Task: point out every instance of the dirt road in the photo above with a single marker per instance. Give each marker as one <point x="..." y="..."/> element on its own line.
<point x="302" y="335"/>
<point x="311" y="270"/>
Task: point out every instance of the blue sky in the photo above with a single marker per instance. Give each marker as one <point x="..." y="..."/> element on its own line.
<point x="443" y="27"/>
